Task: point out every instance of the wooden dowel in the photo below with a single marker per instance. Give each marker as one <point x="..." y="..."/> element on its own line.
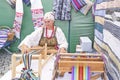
<point x="78" y="54"/>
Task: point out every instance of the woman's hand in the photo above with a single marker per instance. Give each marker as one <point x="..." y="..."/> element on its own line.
<point x="25" y="49"/>
<point x="63" y="50"/>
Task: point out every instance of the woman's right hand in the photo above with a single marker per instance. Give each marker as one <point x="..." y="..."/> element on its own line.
<point x="25" y="49"/>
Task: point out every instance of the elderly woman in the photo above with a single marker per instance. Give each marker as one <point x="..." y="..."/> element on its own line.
<point x="50" y="34"/>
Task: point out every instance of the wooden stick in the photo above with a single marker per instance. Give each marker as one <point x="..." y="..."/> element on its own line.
<point x="78" y="54"/>
<point x="47" y="59"/>
<point x="13" y="65"/>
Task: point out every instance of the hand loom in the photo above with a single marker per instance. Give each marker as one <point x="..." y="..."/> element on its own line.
<point x="66" y="62"/>
<point x="43" y="55"/>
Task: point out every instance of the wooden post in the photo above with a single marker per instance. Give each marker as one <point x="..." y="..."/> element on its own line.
<point x="13" y="65"/>
<point x="45" y="52"/>
<point x="39" y="66"/>
<point x="14" y="56"/>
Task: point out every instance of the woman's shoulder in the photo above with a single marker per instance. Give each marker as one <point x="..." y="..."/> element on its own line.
<point x="58" y="28"/>
<point x="39" y="29"/>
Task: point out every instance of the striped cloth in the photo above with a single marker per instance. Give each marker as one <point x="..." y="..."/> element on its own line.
<point x="100" y="13"/>
<point x="112" y="28"/>
<point x="98" y="31"/>
<point x="111" y="61"/>
<point x="77" y="4"/>
<point x="99" y="1"/>
<point x="107" y="37"/>
<point x="84" y="10"/>
<point x="62" y="9"/>
<point x="109" y="4"/>
<point x="3" y="37"/>
<point x="36" y="11"/>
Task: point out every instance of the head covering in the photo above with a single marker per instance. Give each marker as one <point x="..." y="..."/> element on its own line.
<point x="49" y="15"/>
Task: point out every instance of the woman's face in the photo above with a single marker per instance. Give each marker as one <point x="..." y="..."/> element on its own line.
<point x="49" y="23"/>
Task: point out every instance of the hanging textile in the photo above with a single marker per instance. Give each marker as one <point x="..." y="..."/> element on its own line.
<point x="18" y="18"/>
<point x="77" y="4"/>
<point x="62" y="9"/>
<point x="85" y="9"/>
<point x="37" y="15"/>
<point x="82" y="6"/>
<point x="3" y="37"/>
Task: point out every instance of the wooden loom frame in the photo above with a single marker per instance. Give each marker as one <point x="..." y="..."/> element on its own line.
<point x="94" y="61"/>
<point x="42" y="55"/>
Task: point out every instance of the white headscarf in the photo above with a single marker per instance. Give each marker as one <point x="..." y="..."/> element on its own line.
<point x="49" y="15"/>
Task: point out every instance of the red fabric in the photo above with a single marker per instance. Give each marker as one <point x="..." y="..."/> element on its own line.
<point x="81" y="73"/>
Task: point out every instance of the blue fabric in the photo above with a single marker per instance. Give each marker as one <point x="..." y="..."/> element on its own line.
<point x="99" y="1"/>
<point x="109" y="76"/>
<point x="27" y="2"/>
<point x="7" y="43"/>
<point x="100" y="13"/>
<point x="3" y="37"/>
<point x="99" y="27"/>
<point x="98" y="35"/>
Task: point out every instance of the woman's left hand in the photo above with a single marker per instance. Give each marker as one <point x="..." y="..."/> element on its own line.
<point x="63" y="50"/>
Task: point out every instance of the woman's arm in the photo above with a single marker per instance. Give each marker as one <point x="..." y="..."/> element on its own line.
<point x="31" y="40"/>
<point x="61" y="39"/>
